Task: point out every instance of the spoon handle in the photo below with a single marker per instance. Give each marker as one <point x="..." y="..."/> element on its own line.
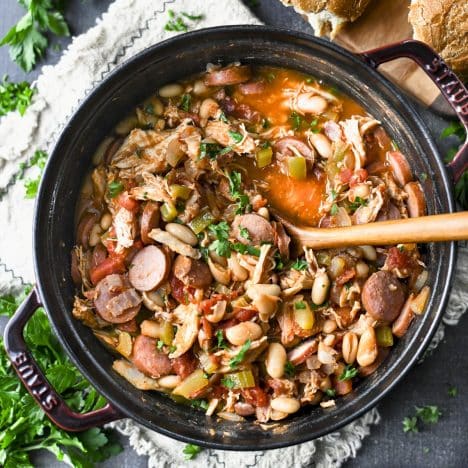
<point x="435" y="228"/>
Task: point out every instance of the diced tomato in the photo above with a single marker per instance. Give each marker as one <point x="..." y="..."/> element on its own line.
<point x="207" y="304"/>
<point x="178" y="290"/>
<point x="345" y="175"/>
<point x="108" y="266"/>
<point x="184" y="365"/>
<point x="349" y="274"/>
<point x="358" y="177"/>
<point x="398" y="259"/>
<point x="255" y="396"/>
<point x="128" y="202"/>
<point x="207" y="328"/>
<point x="245" y="314"/>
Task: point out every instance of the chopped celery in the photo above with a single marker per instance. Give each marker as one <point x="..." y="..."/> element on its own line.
<point x="180" y="192"/>
<point x="192" y="385"/>
<point x="168" y="211"/>
<point x="264" y="156"/>
<point x="384" y="336"/>
<point x="297" y="167"/>
<point x="304" y="316"/>
<point x="201" y="222"/>
<point x="167" y="333"/>
<point x="242" y="379"/>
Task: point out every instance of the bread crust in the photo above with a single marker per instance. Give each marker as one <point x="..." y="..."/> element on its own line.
<point x="443" y="24"/>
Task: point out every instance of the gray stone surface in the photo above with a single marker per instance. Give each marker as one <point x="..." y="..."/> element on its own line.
<point x="440" y="445"/>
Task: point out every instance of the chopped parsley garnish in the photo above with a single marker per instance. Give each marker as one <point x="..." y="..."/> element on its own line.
<point x="212" y="150"/>
<point x="452" y="391"/>
<point x="244" y="233"/>
<point x="173" y="348"/>
<point x="228" y="382"/>
<point x="200" y="403"/>
<point x="242" y="249"/>
<point x="32" y="185"/>
<point x="423" y="177"/>
<point x="114" y="188"/>
<point x="220" y="338"/>
<point x="191" y="451"/>
<point x="289" y="369"/>
<point x="334" y="209"/>
<point x="223" y="117"/>
<point x="176" y="21"/>
<point x="160" y="344"/>
<point x="186" y="102"/>
<point x="428" y="414"/>
<point x="239" y="357"/>
<point x="221" y="244"/>
<point x="300" y="264"/>
<point x="410" y="424"/>
<point x="314" y="126"/>
<point x="279" y="264"/>
<point x="235" y="136"/>
<point x="300" y="305"/>
<point x="15" y="96"/>
<point x="349" y="373"/>
<point x="333" y="194"/>
<point x="295" y="120"/>
<point x="243" y="202"/>
<point x="330" y="392"/>
<point x="358" y="202"/>
<point x="453" y="129"/>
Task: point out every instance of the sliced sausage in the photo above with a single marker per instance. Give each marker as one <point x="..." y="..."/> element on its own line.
<point x="109" y="266"/>
<point x="401" y="324"/>
<point x="283" y="146"/>
<point x="299" y="354"/>
<point x="383" y="296"/>
<point x="282" y="240"/>
<point x="149" y="269"/>
<point x="148" y="359"/>
<point x="400" y="167"/>
<point x="415" y="203"/>
<point x="149" y="220"/>
<point x="107" y="290"/>
<point x="252" y="87"/>
<point x="258" y="228"/>
<point x="228" y="76"/>
<point x="388" y="212"/>
<point x="191" y="272"/>
<point x="184" y="365"/>
<point x="87" y="221"/>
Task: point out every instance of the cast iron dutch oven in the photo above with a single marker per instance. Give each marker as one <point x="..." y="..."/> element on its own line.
<point x="123" y="89"/>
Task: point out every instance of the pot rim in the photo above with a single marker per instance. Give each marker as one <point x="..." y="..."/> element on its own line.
<point x="290" y="37"/>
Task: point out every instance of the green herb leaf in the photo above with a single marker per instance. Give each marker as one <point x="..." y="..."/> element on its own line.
<point x="295" y="120"/>
<point x="15" y="96"/>
<point x="220" y="338"/>
<point x="235" y="136"/>
<point x="349" y="373"/>
<point x="244" y="233"/>
<point x="28" y="38"/>
<point x="330" y="392"/>
<point x="334" y="209"/>
<point x="410" y="424"/>
<point x="300" y="264"/>
<point x="452" y="391"/>
<point x="239" y="357"/>
<point x="185" y="102"/>
<point x="31" y="185"/>
<point x="228" y="382"/>
<point x="200" y="403"/>
<point x="358" y="202"/>
<point x="160" y="344"/>
<point x="289" y="369"/>
<point x="242" y="248"/>
<point x="454" y="128"/>
<point x="235" y="182"/>
<point x="114" y="188"/>
<point x="176" y="22"/>
<point x="428" y="414"/>
<point x="300" y="305"/>
<point x="191" y="451"/>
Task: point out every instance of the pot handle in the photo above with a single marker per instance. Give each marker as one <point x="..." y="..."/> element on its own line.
<point x="36" y="383"/>
<point x="449" y="84"/>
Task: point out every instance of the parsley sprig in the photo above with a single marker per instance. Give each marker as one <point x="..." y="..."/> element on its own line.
<point x="28" y="39"/>
<point x="349" y="373"/>
<point x="191" y="451"/>
<point x="177" y="21"/>
<point x="240" y="356"/>
<point x="31" y="185"/>
<point x="24" y="428"/>
<point x="235" y="189"/>
<point x="15" y="96"/>
<point x="428" y="414"/>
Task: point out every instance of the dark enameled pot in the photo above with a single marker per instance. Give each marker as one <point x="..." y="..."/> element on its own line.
<point x="130" y="83"/>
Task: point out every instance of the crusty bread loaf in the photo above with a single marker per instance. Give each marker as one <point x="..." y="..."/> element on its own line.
<point x="443" y="24"/>
<point x="328" y="16"/>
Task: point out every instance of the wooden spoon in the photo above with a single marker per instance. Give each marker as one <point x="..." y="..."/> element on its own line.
<point x="435" y="228"/>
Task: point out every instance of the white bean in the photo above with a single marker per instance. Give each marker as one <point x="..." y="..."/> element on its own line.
<point x="171" y="90"/>
<point x="239" y="334"/>
<point x="329" y="326"/>
<point x="369" y="252"/>
<point x="322" y="144"/>
<point x="310" y="104"/>
<point x="266" y="306"/>
<point x="95" y="235"/>
<point x="278" y="415"/>
<point x="259" y="289"/>
<point x="275" y="360"/>
<point x="359" y="190"/>
<point x="367" y="350"/>
<point x="264" y="213"/>
<point x="169" y="381"/>
<point x="153" y="300"/>
<point x="285" y="404"/>
<point x="199" y="87"/>
<point x="208" y="108"/>
<point x="106" y="221"/>
<point x="349" y="347"/>
<point x="320" y="287"/>
<point x="239" y="273"/>
<point x="124" y="127"/>
<point x="362" y="270"/>
<point x="183" y="233"/>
